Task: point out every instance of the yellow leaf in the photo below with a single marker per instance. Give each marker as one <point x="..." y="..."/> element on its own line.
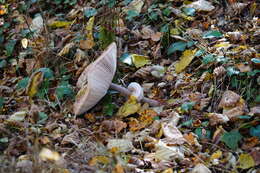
<point x="245" y="161"/>
<point x="223" y="45"/>
<point x="59" y="24"/>
<point x="140" y="60"/>
<point x="98" y="159"/>
<point x="185" y="60"/>
<point x="89" y="43"/>
<point x="216" y="155"/>
<point x="34" y="83"/>
<point x="169" y="170"/>
<point x="131" y="106"/>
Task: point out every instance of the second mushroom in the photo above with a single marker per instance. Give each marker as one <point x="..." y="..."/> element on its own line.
<point x="96" y="79"/>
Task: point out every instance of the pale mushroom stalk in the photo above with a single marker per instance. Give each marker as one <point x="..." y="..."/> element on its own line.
<point x="126" y="92"/>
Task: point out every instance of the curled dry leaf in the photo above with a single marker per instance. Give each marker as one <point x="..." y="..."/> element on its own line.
<point x="147" y="32"/>
<point x="229" y="99"/>
<point x="215" y="118"/>
<point x="66" y="49"/>
<point x="219" y="71"/>
<point x="172" y="134"/>
<point x="200" y="168"/>
<point x="122" y="145"/>
<point x="113" y="126"/>
<point x="72" y="138"/>
<point x="167" y="153"/>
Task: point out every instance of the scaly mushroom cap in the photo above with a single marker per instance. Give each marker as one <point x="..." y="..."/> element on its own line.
<point x="95" y="80"/>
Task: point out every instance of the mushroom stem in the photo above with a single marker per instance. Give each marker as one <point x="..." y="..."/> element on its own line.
<point x="126" y="92"/>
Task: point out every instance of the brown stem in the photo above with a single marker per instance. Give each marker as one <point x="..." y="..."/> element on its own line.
<point x="126" y="92"/>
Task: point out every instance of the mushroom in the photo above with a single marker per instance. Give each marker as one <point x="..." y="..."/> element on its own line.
<point x="96" y="79"/>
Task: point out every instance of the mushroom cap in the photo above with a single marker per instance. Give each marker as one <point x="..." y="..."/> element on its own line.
<point x="95" y="80"/>
<point x="136" y="90"/>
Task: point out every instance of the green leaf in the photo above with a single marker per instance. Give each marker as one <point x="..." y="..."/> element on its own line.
<point x="187" y="123"/>
<point x="64" y="90"/>
<point x="208" y="59"/>
<point x="90" y="12"/>
<point x="187" y="106"/>
<point x="1" y="102"/>
<point x="257" y="99"/>
<point x="22" y="84"/>
<point x="106" y="37"/>
<point x="131" y="14"/>
<point x="126" y="58"/>
<point x="9" y="47"/>
<point x="3" y="63"/>
<point x="198" y="132"/>
<point x="4" y="140"/>
<point x="48" y="73"/>
<point x="189" y="11"/>
<point x="199" y="53"/>
<point x="178" y="46"/>
<point x="165" y="28"/>
<point x="212" y="34"/>
<point x="42" y="118"/>
<point x="166" y="11"/>
<point x="255" y="131"/>
<point x="231" y="139"/>
<point x="232" y="71"/>
<point x="109" y="109"/>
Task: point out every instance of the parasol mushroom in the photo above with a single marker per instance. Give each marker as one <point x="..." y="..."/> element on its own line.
<point x="96" y="79"/>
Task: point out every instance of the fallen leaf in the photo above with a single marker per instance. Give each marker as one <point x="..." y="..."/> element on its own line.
<point x="123" y="145"/>
<point x="216" y="118"/>
<point x="59" y="24"/>
<point x="140" y="60"/>
<point x="131" y="106"/>
<point x="231" y="139"/>
<point x="18" y="116"/>
<point x="200" y="168"/>
<point x="34" y="83"/>
<point x="66" y="49"/>
<point x="216" y="155"/>
<point x="201" y="5"/>
<point x="98" y="159"/>
<point x="245" y="161"/>
<point x="185" y="60"/>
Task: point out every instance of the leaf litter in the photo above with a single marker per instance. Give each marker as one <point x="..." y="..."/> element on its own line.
<point x="199" y="59"/>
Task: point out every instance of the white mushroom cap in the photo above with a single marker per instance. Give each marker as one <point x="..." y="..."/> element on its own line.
<point x="136" y="90"/>
<point x="95" y="80"/>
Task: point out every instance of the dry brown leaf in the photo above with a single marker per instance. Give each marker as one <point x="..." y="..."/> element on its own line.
<point x="215" y="118"/>
<point x="172" y="134"/>
<point x="229" y="99"/>
<point x="243" y="68"/>
<point x="113" y="126"/>
<point x="66" y="49"/>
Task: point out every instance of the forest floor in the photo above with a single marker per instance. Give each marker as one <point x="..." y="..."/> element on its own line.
<point x="199" y="59"/>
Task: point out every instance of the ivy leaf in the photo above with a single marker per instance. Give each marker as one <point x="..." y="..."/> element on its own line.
<point x="189" y="11"/>
<point x="1" y="103"/>
<point x="47" y="73"/>
<point x="64" y="90"/>
<point x="42" y="118"/>
<point x="178" y="46"/>
<point x="208" y="59"/>
<point x="3" y="63"/>
<point x="255" y="131"/>
<point x="22" y="83"/>
<point x="231" y="139"/>
<point x="90" y="12"/>
<point x="187" y="106"/>
<point x="9" y="47"/>
<point x="212" y="34"/>
<point x="131" y="14"/>
<point x="198" y="132"/>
